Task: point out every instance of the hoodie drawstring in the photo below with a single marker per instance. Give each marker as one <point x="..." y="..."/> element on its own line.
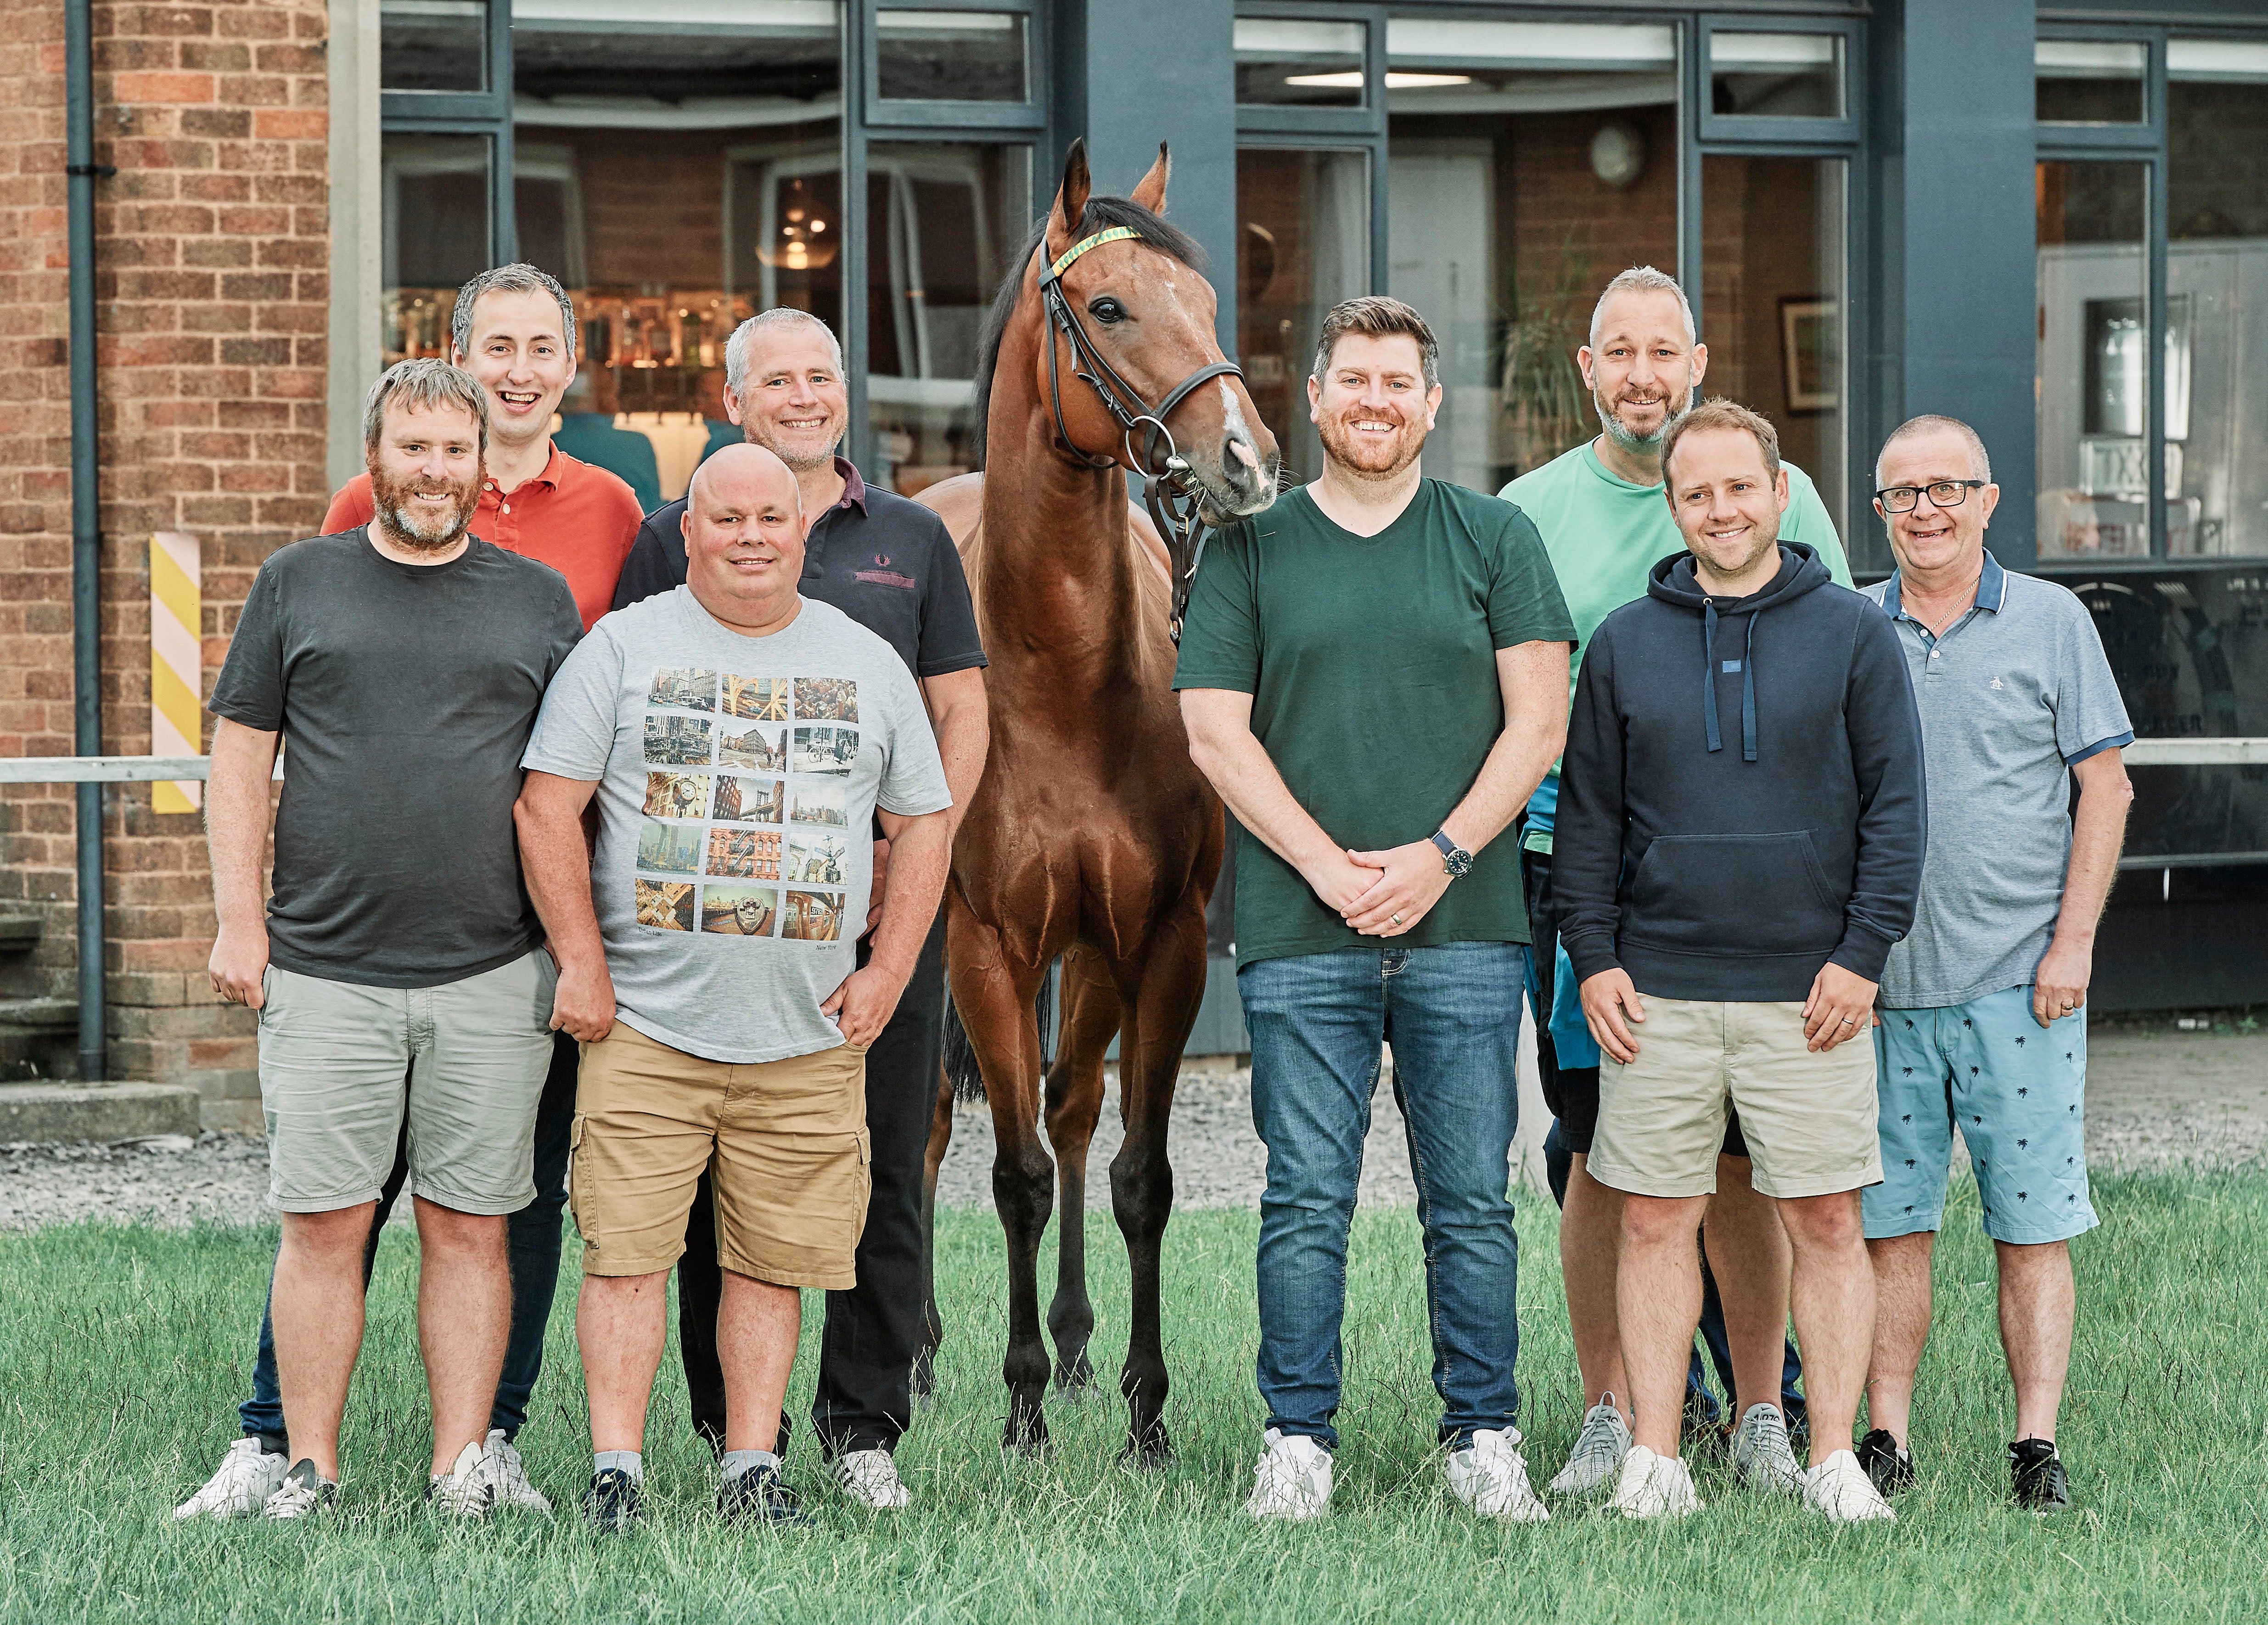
<point x="1709" y="681"/>
<point x="1749" y="692"/>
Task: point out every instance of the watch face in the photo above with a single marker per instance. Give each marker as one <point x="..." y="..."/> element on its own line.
<point x="1459" y="862"/>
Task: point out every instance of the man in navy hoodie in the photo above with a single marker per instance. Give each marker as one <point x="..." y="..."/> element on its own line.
<point x="1733" y="868"/>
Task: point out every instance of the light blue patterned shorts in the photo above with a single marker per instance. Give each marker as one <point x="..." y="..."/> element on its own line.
<point x="2018" y="1093"/>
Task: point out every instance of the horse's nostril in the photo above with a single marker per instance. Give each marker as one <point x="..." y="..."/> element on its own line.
<point x="1242" y="450"/>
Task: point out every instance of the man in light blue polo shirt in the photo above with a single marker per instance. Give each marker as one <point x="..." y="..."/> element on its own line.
<point x="1981" y="1007"/>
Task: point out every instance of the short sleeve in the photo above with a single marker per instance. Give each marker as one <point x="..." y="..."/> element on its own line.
<point x="250" y="688"/>
<point x="2090" y="716"/>
<point x="949" y="639"/>
<point x="565" y="628"/>
<point x="575" y="731"/>
<point x="1220" y="630"/>
<point x="1807" y="522"/>
<point x="1524" y="601"/>
<point x="353" y="505"/>
<point x="913" y="780"/>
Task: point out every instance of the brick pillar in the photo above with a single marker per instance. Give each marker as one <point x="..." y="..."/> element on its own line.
<point x="213" y="291"/>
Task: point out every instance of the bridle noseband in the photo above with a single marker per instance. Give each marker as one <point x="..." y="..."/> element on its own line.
<point x="1172" y="494"/>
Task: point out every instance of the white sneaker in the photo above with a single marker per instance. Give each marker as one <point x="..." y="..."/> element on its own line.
<point x="1489" y="1476"/>
<point x="1651" y="1486"/>
<point x="1762" y="1457"/>
<point x="1292" y="1480"/>
<point x="303" y="1493"/>
<point x="1839" y="1488"/>
<point x="468" y="1489"/>
<point x="508" y="1477"/>
<point x="870" y="1478"/>
<point x="246" y="1476"/>
<point x="1599" y="1449"/>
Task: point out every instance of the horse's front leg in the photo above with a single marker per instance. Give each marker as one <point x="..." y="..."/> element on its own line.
<point x="995" y="1001"/>
<point x="1164" y="1007"/>
<point x="1074" y="1097"/>
<point x="933" y="1332"/>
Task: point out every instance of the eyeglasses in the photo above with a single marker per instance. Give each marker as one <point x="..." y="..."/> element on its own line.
<point x="1943" y="493"/>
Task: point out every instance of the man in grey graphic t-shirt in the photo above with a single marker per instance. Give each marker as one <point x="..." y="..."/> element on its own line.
<point x="736" y="735"/>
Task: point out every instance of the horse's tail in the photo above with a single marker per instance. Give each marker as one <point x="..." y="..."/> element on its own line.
<point x="960" y="1055"/>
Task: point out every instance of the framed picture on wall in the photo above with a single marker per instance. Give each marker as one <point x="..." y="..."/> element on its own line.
<point x="1811" y="352"/>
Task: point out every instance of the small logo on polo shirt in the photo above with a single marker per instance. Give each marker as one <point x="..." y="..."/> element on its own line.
<point x="882" y="575"/>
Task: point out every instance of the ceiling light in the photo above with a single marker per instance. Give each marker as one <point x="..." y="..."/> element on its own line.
<point x="1393" y="81"/>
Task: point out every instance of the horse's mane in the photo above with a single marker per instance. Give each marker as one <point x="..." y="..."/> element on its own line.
<point x="1101" y="215"/>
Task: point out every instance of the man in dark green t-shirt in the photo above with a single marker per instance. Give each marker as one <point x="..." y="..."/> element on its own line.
<point x="1373" y="674"/>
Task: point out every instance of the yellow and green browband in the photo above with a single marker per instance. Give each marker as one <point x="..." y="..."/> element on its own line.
<point x="1116" y="234"/>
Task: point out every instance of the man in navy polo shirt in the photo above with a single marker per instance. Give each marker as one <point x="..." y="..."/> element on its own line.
<point x="889" y="565"/>
<point x="1982" y="1004"/>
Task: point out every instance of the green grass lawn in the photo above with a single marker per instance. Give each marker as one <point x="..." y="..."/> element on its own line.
<point x="122" y="1350"/>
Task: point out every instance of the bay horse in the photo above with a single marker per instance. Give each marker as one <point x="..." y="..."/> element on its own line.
<point x="1092" y="837"/>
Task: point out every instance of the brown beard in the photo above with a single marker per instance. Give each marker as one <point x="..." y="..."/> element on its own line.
<point x="1341" y="447"/>
<point x="389" y="496"/>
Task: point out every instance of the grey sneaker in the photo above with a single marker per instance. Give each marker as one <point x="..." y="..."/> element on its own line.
<point x="1763" y="1458"/>
<point x="508" y="1476"/>
<point x="246" y="1476"/>
<point x="1598" y="1452"/>
<point x="303" y="1493"/>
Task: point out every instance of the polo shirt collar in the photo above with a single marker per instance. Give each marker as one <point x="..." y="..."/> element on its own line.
<point x="854" y="486"/>
<point x="554" y="466"/>
<point x="1991" y="589"/>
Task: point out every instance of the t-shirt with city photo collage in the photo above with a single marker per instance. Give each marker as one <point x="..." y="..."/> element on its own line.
<point x="738" y="779"/>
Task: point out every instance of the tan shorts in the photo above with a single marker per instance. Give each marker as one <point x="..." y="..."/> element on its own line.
<point x="1809" y="1118"/>
<point x="789" y="1143"/>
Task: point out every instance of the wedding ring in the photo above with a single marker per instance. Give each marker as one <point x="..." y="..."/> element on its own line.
<point x="1396" y="919"/>
<point x="1847" y="1022"/>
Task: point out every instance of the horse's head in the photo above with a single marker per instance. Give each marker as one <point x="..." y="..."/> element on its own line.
<point x="1148" y="311"/>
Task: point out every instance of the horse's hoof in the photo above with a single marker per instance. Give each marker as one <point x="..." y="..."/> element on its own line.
<point x="1076" y="1381"/>
<point x="1025" y="1436"/>
<point x="1155" y="1457"/>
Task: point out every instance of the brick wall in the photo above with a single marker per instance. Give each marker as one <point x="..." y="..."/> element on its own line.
<point x="212" y="308"/>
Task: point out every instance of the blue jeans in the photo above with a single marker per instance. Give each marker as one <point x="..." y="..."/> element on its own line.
<point x="531" y="1247"/>
<point x="1452" y="1016"/>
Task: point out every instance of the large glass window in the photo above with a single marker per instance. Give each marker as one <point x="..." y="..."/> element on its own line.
<point x="1776" y="75"/>
<point x="2093" y="370"/>
<point x="1298" y="63"/>
<point x="2089" y="81"/>
<point x="2217" y="296"/>
<point x="436" y="214"/>
<point x="1529" y="162"/>
<point x="433" y="45"/>
<point x="950" y="55"/>
<point x="679" y="167"/>
<point x="1774" y="302"/>
<point x="1302" y="245"/>
<point x="942" y="220"/>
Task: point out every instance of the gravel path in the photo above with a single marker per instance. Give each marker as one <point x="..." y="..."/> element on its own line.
<point x="2156" y="1100"/>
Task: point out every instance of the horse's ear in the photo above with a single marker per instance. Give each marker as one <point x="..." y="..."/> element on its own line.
<point x="1152" y="193"/>
<point x="1070" y="199"/>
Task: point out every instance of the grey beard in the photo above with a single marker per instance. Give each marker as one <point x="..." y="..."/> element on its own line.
<point x="1645" y="445"/>
<point x="406" y="534"/>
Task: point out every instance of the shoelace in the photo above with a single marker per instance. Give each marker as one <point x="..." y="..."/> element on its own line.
<point x="296" y="1496"/>
<point x="1768" y="1439"/>
<point x="865" y="1473"/>
<point x="1601" y="1438"/>
<point x="1281" y="1470"/>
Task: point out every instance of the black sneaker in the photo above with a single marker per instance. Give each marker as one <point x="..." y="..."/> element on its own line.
<point x="757" y="1497"/>
<point x="611" y="1501"/>
<point x="1887" y="1463"/>
<point x="2037" y="1473"/>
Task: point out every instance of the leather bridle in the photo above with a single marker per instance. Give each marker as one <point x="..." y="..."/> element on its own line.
<point x="1172" y="493"/>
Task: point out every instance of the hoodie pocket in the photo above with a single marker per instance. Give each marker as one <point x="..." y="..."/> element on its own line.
<point x="1734" y="894"/>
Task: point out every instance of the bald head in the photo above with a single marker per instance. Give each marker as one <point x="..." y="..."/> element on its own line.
<point x="742" y="475"/>
<point x="744" y="528"/>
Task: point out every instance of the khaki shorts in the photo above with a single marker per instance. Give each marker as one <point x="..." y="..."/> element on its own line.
<point x="787" y="1140"/>
<point x="349" y="1074"/>
<point x="1810" y="1120"/>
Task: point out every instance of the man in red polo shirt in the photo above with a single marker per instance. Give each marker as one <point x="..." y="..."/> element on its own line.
<point x="514" y="330"/>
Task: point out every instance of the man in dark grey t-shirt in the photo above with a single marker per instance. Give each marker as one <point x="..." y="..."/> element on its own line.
<point x="396" y="967"/>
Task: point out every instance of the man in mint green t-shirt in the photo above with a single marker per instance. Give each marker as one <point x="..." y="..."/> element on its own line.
<point x="1605" y="521"/>
<point x="1371" y="673"/>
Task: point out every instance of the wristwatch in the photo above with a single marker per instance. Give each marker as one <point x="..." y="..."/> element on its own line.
<point x="1454" y="858"/>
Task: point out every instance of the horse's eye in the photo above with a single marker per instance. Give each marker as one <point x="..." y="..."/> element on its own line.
<point x="1106" y="310"/>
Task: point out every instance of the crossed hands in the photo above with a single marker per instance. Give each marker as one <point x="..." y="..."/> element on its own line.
<point x="1841" y="1008"/>
<point x="1382" y="893"/>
